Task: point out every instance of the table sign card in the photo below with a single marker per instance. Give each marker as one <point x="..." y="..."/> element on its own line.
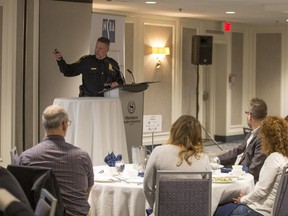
<point x="152" y="123"/>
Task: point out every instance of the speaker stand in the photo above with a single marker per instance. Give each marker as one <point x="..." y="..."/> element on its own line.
<point x="197" y="108"/>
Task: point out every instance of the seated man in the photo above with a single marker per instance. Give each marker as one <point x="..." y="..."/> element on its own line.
<point x="249" y="153"/>
<point x="71" y="165"/>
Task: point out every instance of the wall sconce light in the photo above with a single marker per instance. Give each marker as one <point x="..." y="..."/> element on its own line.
<point x="160" y="53"/>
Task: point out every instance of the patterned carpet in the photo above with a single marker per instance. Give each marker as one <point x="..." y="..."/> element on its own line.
<point x="213" y="150"/>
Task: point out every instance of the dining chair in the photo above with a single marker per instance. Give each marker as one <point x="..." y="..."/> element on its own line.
<point x="281" y="198"/>
<point x="46" y="205"/>
<point x="14" y="155"/>
<point x="183" y="193"/>
<point x="246" y="130"/>
<point x="33" y="179"/>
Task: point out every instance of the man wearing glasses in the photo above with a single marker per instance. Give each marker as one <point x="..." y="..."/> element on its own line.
<point x="249" y="152"/>
<point x="72" y="166"/>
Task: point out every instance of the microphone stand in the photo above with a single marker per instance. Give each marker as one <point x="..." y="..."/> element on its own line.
<point x="117" y="70"/>
<point x="133" y="79"/>
<point x="197" y="107"/>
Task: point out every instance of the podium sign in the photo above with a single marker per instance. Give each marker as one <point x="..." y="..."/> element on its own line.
<point x="132" y="102"/>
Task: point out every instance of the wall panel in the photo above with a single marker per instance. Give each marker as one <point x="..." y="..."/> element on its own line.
<point x="268" y="70"/>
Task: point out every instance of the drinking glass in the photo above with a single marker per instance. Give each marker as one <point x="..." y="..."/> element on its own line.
<point x="120" y="166"/>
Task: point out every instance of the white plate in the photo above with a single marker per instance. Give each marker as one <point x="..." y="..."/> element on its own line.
<point x="223" y="179"/>
<point x="216" y="166"/>
<point x="105" y="179"/>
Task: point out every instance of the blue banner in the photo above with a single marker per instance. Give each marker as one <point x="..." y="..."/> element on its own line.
<point x="108" y="29"/>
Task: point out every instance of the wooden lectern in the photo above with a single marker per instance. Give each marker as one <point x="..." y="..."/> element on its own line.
<point x="132" y="102"/>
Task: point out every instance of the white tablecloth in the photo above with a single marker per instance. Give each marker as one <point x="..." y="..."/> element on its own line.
<point x="224" y="192"/>
<point x="121" y="198"/>
<point x="117" y="198"/>
<point x="97" y="126"/>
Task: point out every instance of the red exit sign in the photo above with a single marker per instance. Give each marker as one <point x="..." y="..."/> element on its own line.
<point x="227" y="26"/>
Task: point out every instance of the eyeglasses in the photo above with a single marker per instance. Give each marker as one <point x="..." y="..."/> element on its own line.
<point x="69" y="122"/>
<point x="247" y="112"/>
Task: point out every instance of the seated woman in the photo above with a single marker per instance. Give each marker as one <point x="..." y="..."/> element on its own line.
<point x="183" y="151"/>
<point x="274" y="133"/>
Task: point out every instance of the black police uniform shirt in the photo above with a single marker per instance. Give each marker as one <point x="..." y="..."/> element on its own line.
<point x="97" y="74"/>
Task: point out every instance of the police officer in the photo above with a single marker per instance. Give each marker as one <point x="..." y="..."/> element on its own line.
<point x="98" y="71"/>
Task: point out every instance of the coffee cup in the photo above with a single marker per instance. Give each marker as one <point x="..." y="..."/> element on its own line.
<point x="237" y="167"/>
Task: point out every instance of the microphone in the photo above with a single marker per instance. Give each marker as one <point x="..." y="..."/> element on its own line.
<point x="133" y="79"/>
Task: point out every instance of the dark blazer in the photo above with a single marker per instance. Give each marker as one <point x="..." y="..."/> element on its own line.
<point x="252" y="157"/>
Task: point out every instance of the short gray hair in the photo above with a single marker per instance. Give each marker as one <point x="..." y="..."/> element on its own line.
<point x="53" y="116"/>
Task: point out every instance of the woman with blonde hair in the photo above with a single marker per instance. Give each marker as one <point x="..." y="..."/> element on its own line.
<point x="183" y="151"/>
<point x="274" y="134"/>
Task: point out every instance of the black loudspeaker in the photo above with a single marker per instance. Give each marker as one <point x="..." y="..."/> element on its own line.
<point x="202" y="49"/>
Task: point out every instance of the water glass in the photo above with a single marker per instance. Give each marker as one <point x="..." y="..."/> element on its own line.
<point x="120" y="166"/>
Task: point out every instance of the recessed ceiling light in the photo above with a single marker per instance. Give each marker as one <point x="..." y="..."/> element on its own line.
<point x="150" y="2"/>
<point x="230" y="12"/>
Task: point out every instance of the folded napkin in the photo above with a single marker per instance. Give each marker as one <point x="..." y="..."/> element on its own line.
<point x="111" y="159"/>
<point x="149" y="211"/>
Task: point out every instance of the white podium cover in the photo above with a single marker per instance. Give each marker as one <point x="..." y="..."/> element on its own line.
<point x="97" y="126"/>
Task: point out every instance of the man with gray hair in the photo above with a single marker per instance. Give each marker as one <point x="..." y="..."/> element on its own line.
<point x="72" y="166"/>
<point x="249" y="153"/>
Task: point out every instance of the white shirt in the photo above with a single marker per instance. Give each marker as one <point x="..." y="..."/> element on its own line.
<point x="263" y="195"/>
<point x="247" y="144"/>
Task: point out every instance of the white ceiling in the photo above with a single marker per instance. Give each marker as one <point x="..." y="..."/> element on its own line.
<point x="247" y="11"/>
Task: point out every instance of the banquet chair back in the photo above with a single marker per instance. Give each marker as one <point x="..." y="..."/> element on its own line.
<point x="183" y="193"/>
<point x="281" y="199"/>
<point x="46" y="205"/>
<point x="246" y="130"/>
<point x="33" y="179"/>
<point x="14" y="155"/>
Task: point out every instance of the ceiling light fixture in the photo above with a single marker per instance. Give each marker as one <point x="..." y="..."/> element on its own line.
<point x="230" y="12"/>
<point x="150" y="2"/>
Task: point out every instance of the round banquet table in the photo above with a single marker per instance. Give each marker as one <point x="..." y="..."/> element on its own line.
<point x="97" y="126"/>
<point x="118" y="198"/>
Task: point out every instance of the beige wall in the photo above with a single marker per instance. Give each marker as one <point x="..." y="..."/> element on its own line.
<point x="235" y="77"/>
<point x="158" y="97"/>
<point x="268" y="70"/>
<point x="65" y="26"/>
<point x="8" y="73"/>
<point x="1" y="72"/>
<point x="220" y="64"/>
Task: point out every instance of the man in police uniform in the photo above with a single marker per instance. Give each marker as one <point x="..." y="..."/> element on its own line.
<point x="98" y="71"/>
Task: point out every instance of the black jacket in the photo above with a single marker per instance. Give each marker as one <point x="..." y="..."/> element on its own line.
<point x="97" y="74"/>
